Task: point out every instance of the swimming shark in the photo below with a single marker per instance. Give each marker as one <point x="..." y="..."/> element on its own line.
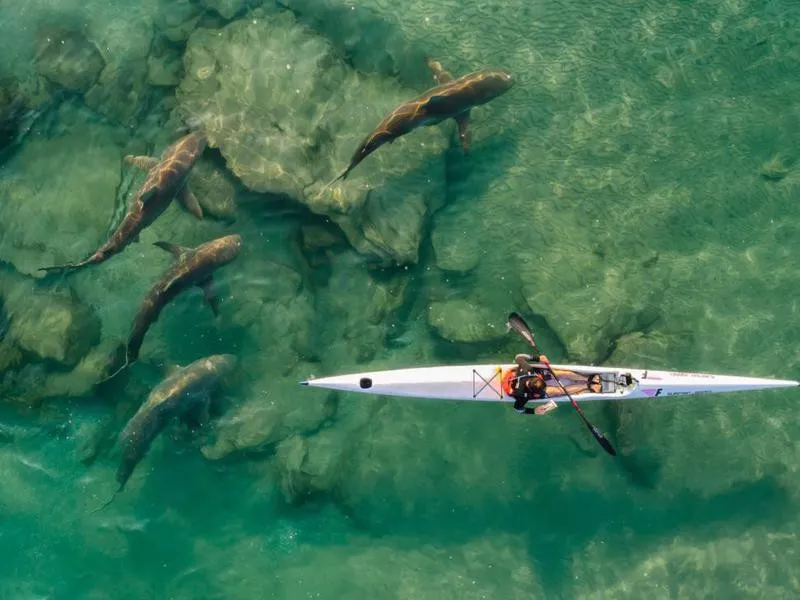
<point x="451" y="99"/>
<point x="192" y="267"/>
<point x="185" y="391"/>
<point x="166" y="179"/>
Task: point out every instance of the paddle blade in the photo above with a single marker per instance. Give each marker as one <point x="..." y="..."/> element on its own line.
<point x="601" y="439"/>
<point x="518" y="324"/>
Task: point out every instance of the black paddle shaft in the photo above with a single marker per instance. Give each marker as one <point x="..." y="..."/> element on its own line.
<point x="518" y="324"/>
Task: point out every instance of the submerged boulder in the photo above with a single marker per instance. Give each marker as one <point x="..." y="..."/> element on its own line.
<point x="228" y="9"/>
<point x="50" y="324"/>
<point x="41" y="225"/>
<point x="67" y="58"/>
<point x="121" y="90"/>
<point x="287" y="113"/>
<point x="464" y="321"/>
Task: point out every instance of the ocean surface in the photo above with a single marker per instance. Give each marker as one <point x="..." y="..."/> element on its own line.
<point x="635" y="196"/>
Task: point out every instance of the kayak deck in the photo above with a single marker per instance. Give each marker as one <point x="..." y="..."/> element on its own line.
<point x="483" y="383"/>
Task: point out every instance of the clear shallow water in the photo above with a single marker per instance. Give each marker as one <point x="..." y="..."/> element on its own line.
<point x="635" y="194"/>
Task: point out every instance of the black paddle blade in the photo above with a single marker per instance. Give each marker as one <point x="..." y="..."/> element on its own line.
<point x="518" y="324"/>
<point x="601" y="439"/>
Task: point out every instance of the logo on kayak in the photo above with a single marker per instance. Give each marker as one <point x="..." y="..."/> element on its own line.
<point x="652" y="391"/>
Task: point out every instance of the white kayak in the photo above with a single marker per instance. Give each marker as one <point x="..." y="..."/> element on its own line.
<point x="483" y="383"/>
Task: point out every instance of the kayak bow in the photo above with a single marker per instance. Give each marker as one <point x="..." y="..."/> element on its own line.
<point x="483" y="383"/>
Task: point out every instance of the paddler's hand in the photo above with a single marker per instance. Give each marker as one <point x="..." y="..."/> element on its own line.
<point x="543" y="358"/>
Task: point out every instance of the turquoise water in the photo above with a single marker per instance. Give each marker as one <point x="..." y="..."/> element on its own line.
<point x="634" y="196"/>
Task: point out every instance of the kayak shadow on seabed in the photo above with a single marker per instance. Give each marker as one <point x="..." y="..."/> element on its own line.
<point x="639" y="461"/>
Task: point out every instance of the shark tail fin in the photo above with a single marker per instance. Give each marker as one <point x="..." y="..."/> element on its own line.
<point x="174" y="249"/>
<point x="340" y="177"/>
<point x="65" y="269"/>
<point x="117" y="363"/>
<point x="106" y="503"/>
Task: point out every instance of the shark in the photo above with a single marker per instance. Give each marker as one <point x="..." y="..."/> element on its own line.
<point x="452" y="98"/>
<point x="193" y="267"/>
<point x="166" y="180"/>
<point x="186" y="391"/>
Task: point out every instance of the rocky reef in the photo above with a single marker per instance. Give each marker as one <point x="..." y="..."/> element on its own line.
<point x="635" y="200"/>
<point x="48" y="341"/>
<point x="288" y="118"/>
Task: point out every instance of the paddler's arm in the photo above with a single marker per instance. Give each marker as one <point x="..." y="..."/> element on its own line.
<point x="519" y="406"/>
<point x="525" y="360"/>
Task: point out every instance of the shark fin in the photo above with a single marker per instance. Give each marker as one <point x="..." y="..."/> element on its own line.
<point x="177" y="251"/>
<point x="464" y="134"/>
<point x="439" y="74"/>
<point x="142" y="162"/>
<point x="210" y="295"/>
<point x="106" y="503"/>
<point x="189" y="202"/>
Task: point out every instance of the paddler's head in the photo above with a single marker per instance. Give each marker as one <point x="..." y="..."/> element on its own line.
<point x="535" y="384"/>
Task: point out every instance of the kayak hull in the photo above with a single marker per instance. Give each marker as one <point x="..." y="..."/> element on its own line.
<point x="482" y="383"/>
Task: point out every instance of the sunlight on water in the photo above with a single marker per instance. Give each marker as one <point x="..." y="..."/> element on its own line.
<point x="624" y="175"/>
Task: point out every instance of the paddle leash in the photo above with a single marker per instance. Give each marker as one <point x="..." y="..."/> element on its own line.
<point x="517" y="323"/>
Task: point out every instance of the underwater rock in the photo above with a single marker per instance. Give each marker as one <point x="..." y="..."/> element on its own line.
<point x="775" y="169"/>
<point x="456" y="246"/>
<point x="177" y="19"/>
<point x="215" y="190"/>
<point x="355" y="327"/>
<point x="11" y="356"/>
<point x="228" y="9"/>
<point x="371" y="35"/>
<point x="278" y="311"/>
<point x="68" y="59"/>
<point x="49" y="323"/>
<point x="288" y="119"/>
<point x="122" y="89"/>
<point x="308" y="466"/>
<point x="352" y="331"/>
<point x="12" y="107"/>
<point x="464" y="321"/>
<point x="320" y="236"/>
<point x="583" y="303"/>
<point x="46" y="223"/>
<point x="19" y="108"/>
<point x="83" y="378"/>
<point x="271" y="414"/>
<point x="119" y="92"/>
<point x="22" y="103"/>
<point x="164" y="69"/>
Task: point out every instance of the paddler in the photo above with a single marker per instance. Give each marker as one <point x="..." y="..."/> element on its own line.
<point x="526" y="383"/>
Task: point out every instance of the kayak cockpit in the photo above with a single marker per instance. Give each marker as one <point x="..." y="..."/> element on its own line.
<point x="613" y="384"/>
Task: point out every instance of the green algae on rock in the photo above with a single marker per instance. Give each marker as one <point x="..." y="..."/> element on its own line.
<point x="464" y="321"/>
<point x="164" y="68"/>
<point x="50" y="325"/>
<point x="215" y="189"/>
<point x="121" y="91"/>
<point x="66" y="58"/>
<point x="308" y="466"/>
<point x="229" y="9"/>
<point x="41" y="224"/>
<point x="457" y="247"/>
<point x="176" y="21"/>
<point x="287" y="117"/>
